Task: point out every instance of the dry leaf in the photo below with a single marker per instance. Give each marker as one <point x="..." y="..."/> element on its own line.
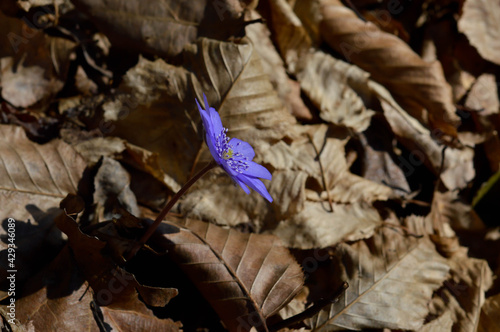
<point x="57" y="299"/>
<point x="287" y="89"/>
<point x="490" y="320"/>
<point x="418" y="86"/>
<point x="325" y="81"/>
<point x="463" y="294"/>
<point x="483" y="95"/>
<point x="342" y="185"/>
<point x="33" y="66"/>
<point x="164" y="27"/>
<point x="391" y="279"/>
<point x="245" y="277"/>
<point x="479" y="22"/>
<point x="458" y="165"/>
<point x="112" y="190"/>
<point x="316" y="226"/>
<point x="33" y="179"/>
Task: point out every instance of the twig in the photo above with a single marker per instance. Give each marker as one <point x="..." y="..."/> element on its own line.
<point x="311" y="311"/>
<point x="322" y="173"/>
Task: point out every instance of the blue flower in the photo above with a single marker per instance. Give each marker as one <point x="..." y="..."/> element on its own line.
<point x="233" y="155"/>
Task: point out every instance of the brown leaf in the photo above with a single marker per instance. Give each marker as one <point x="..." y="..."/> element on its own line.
<point x="342" y="185"/>
<point x="112" y="189"/>
<point x="479" y="22"/>
<point x="245" y="277"/>
<point x="164" y="27"/>
<point x="391" y="279"/>
<point x="490" y="320"/>
<point x="33" y="180"/>
<point x="33" y="65"/>
<point x="325" y="81"/>
<point x="55" y="299"/>
<point x="316" y="226"/>
<point x="288" y="90"/>
<point x="463" y="293"/>
<point x="418" y="86"/>
<point x="458" y="167"/>
<point x="116" y="291"/>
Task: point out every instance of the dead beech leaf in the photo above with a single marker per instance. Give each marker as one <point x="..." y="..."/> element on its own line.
<point x="32" y="70"/>
<point x="324" y="80"/>
<point x="342" y="185"/>
<point x="33" y="180"/>
<point x="479" y="22"/>
<point x="164" y="27"/>
<point x="458" y="167"/>
<point x="245" y="277"/>
<point x="287" y="89"/>
<point x="56" y="299"/>
<point x="116" y="290"/>
<point x="420" y="87"/>
<point x="292" y="39"/>
<point x="316" y="226"/>
<point x="483" y="95"/>
<point x="463" y="294"/>
<point x="393" y="273"/>
<point x="112" y="189"/>
<point x="490" y="320"/>
<point x="216" y="198"/>
<point x="449" y="208"/>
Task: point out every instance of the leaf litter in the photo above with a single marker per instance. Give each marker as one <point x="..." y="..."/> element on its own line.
<point x="377" y="121"/>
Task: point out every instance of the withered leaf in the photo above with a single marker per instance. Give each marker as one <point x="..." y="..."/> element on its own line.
<point x="164" y="27"/>
<point x="479" y="22"/>
<point x="490" y="321"/>
<point x="33" y="179"/>
<point x="325" y="81"/>
<point x="463" y="294"/>
<point x="245" y="277"/>
<point x="391" y="280"/>
<point x="116" y="291"/>
<point x="33" y="66"/>
<point x="420" y="87"/>
<point x="56" y="299"/>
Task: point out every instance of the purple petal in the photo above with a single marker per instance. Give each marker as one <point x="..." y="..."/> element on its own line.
<point x="211" y="147"/>
<point x="242" y="148"/>
<point x="205" y="118"/>
<point x="256" y="185"/>
<point x="242" y="185"/>
<point x="257" y="171"/>
<point x="214" y="118"/>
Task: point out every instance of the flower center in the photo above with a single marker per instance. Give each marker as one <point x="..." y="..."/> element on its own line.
<point x="236" y="161"/>
<point x="228" y="154"/>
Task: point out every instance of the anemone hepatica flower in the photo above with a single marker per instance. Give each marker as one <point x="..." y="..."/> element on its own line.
<point x="233" y="155"/>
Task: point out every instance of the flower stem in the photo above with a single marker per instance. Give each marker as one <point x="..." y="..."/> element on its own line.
<point x="152" y="228"/>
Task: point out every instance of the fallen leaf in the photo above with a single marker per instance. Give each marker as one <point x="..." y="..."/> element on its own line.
<point x="325" y="81"/>
<point x="165" y="27"/>
<point x="55" y="299"/>
<point x="393" y="273"/>
<point x="316" y="226"/>
<point x="463" y="294"/>
<point x="33" y="180"/>
<point x="420" y="87"/>
<point x="480" y="24"/>
<point x="489" y="320"/>
<point x="246" y="277"/>
<point x="33" y="65"/>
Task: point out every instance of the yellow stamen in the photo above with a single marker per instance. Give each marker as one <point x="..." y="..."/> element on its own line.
<point x="228" y="154"/>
